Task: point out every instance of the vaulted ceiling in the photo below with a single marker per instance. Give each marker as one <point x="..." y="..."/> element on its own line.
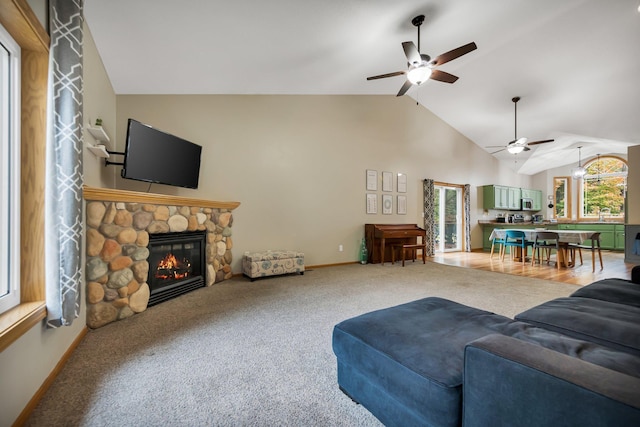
<point x="575" y="63"/>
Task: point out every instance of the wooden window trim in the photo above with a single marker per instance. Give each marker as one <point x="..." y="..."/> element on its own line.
<point x="21" y="22"/>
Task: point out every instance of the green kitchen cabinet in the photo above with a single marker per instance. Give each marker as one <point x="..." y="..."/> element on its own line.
<point x="486" y="233"/>
<point x="619" y="237"/>
<point x="537" y="199"/>
<point x="535" y="196"/>
<point x="509" y="198"/>
<point x="566" y="226"/>
<point x="495" y="197"/>
<point x="514" y="198"/>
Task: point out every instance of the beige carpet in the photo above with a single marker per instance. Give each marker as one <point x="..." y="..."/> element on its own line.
<point x="254" y="353"/>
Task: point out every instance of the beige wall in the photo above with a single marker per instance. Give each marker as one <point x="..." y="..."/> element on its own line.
<point x="99" y="102"/>
<point x="26" y="364"/>
<point x="297" y="163"/>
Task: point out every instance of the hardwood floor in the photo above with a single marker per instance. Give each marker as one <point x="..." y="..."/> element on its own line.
<point x="613" y="261"/>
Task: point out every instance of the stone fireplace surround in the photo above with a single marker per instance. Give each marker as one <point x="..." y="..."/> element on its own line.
<point x="119" y="223"/>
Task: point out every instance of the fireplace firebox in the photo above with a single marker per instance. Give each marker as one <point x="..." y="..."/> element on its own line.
<point x="176" y="264"/>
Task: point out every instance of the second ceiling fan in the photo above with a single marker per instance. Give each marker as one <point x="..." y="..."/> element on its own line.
<point x="421" y="66"/>
<point x="518" y="145"/>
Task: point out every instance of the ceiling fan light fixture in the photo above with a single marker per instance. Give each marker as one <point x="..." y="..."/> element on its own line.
<point x="419" y="74"/>
<point x="515" y="148"/>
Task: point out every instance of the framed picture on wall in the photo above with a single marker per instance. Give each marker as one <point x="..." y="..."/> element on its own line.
<point x="387" y="181"/>
<point x="387" y="204"/>
<point x="402" y="205"/>
<point x="372" y="180"/>
<point x="402" y="183"/>
<point x="372" y="203"/>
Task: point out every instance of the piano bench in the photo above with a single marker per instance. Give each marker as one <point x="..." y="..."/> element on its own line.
<point x="408" y="247"/>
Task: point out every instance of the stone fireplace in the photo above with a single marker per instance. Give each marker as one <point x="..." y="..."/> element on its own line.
<point x="143" y="249"/>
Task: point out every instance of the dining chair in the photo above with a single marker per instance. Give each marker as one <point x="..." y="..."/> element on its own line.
<point x="545" y="241"/>
<point x="516" y="239"/>
<point x="594" y="247"/>
<point x="500" y="243"/>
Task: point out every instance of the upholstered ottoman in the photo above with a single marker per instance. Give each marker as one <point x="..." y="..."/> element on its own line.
<point x="272" y="263"/>
<point x="405" y="363"/>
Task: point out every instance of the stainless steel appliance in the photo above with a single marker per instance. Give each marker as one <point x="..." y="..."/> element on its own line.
<point x="517" y="218"/>
<point x="537" y="219"/>
<point x="527" y="204"/>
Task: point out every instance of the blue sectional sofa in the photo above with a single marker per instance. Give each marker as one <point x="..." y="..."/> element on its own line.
<point x="568" y="362"/>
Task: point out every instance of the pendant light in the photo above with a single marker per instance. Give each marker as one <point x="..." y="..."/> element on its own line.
<point x="579" y="172"/>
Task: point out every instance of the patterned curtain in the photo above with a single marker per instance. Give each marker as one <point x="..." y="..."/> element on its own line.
<point x="429" y="215"/>
<point x="467" y="217"/>
<point x="63" y="189"/>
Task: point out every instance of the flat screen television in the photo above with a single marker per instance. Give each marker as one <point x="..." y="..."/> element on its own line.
<point x="158" y="157"/>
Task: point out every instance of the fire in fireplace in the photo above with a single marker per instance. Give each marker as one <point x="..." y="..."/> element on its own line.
<point x="171" y="267"/>
<point x="176" y="264"/>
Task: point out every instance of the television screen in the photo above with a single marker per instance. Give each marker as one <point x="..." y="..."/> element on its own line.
<point x="155" y="156"/>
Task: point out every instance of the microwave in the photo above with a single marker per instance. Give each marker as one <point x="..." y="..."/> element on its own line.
<point x="527" y="204"/>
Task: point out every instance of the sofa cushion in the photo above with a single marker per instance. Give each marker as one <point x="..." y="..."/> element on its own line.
<point x="588" y="351"/>
<point x="404" y="363"/>
<point x="603" y="322"/>
<point x="613" y="290"/>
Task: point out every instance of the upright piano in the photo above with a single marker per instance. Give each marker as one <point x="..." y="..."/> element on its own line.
<point x="378" y="235"/>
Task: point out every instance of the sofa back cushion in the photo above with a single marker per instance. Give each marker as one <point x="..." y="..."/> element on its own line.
<point x="602" y="322"/>
<point x="613" y="290"/>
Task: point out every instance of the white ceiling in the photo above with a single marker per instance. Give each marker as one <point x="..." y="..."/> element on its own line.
<point x="575" y="63"/>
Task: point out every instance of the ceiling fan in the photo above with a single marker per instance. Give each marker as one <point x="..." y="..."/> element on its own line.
<point x="421" y="66"/>
<point x="518" y="145"/>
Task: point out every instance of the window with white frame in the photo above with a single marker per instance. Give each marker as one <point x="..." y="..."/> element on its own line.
<point x="9" y="171"/>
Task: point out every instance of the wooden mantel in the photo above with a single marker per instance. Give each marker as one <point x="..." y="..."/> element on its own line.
<point x="113" y="195"/>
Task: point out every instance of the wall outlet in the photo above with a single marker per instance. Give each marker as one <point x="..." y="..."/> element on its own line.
<point x="340" y="248"/>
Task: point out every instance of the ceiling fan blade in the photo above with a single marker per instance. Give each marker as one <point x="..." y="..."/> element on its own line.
<point x="498" y="151"/>
<point x="383" y="76"/>
<point x="495" y="146"/>
<point x="411" y="52"/>
<point x="405" y="87"/>
<point x="526" y="148"/>
<point x="453" y="54"/>
<point x="441" y="76"/>
<point x="540" y="142"/>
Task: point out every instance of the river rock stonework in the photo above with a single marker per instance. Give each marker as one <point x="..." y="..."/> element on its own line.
<point x="117" y="252"/>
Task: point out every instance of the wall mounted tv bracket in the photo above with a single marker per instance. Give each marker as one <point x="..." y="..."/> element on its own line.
<point x="108" y="163"/>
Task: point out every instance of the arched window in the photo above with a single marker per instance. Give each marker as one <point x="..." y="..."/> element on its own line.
<point x="604" y="188"/>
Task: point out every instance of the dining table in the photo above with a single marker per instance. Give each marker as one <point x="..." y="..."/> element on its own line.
<point x="564" y="238"/>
